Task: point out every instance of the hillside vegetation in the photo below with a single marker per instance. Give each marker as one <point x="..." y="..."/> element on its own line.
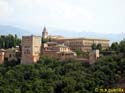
<point x="52" y="76"/>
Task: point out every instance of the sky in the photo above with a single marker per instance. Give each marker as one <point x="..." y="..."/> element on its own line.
<point x="101" y="16"/>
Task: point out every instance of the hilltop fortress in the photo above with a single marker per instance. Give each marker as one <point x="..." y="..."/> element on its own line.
<point x="56" y="46"/>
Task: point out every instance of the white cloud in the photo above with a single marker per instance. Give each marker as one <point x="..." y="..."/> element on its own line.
<point x="5" y="10"/>
<point x="57" y="13"/>
<point x="90" y="15"/>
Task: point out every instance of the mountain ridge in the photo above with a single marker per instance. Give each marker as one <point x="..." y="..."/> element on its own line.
<point x="8" y="29"/>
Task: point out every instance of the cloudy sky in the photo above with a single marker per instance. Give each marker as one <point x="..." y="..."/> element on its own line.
<point x="102" y="16"/>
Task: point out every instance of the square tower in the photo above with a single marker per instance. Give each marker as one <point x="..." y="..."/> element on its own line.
<point x="31" y="47"/>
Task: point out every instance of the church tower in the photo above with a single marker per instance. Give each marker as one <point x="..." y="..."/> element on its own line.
<point x="44" y="33"/>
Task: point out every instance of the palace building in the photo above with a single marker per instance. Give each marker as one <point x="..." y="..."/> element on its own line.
<point x="59" y="51"/>
<point x="83" y="44"/>
<point x="59" y="47"/>
<point x="31" y="49"/>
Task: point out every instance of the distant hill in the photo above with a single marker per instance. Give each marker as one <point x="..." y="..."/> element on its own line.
<point x="111" y="36"/>
<point x="6" y="29"/>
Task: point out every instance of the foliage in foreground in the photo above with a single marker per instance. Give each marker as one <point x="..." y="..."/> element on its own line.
<point x="9" y="41"/>
<point x="52" y="76"/>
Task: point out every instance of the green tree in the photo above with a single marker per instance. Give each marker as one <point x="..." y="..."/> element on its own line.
<point x="93" y="46"/>
<point x="53" y="76"/>
<point x="44" y="40"/>
<point x="123" y="65"/>
<point x="9" y="41"/>
<point x="99" y="46"/>
<point x="81" y="53"/>
<point x="114" y="46"/>
<point x="122" y="46"/>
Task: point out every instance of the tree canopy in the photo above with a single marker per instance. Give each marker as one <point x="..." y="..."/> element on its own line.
<point x="98" y="46"/>
<point x="53" y="76"/>
<point x="9" y="41"/>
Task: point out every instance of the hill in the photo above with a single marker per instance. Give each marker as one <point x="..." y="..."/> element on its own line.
<point x="6" y="29"/>
<point x="113" y="37"/>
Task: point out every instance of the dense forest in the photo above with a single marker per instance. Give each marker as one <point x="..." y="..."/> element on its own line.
<point x="53" y="76"/>
<point x="9" y="41"/>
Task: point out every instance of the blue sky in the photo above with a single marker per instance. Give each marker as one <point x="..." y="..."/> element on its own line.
<point x="102" y="16"/>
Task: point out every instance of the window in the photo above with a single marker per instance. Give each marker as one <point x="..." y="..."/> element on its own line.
<point x="26" y="46"/>
<point x="27" y="51"/>
<point x="10" y="55"/>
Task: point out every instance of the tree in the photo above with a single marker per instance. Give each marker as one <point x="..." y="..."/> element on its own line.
<point x="114" y="46"/>
<point x="44" y="40"/>
<point x="122" y="46"/>
<point x="99" y="46"/>
<point x="69" y="83"/>
<point x="9" y="41"/>
<point x="54" y="76"/>
<point x="78" y="52"/>
<point x="0" y="42"/>
<point x="93" y="46"/>
<point x="123" y="65"/>
<point x="81" y="53"/>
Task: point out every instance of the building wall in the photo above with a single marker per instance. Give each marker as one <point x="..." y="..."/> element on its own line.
<point x="50" y="54"/>
<point x="11" y="54"/>
<point x="93" y="56"/>
<point x="2" y="54"/>
<point x="58" y="51"/>
<point x="60" y="55"/>
<point x="62" y="49"/>
<point x="55" y="37"/>
<point x="85" y="44"/>
<point x="31" y="47"/>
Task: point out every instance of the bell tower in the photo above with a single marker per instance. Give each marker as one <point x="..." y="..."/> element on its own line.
<point x="44" y="33"/>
